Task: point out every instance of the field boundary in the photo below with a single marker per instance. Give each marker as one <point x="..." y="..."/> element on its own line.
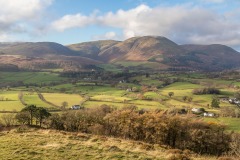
<point x="20" y="97"/>
<point x="41" y="97"/>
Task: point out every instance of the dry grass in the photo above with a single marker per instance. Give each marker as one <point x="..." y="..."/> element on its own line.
<point x="25" y="143"/>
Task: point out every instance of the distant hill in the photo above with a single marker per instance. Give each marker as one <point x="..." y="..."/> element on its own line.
<point x="38" y="49"/>
<point x="211" y="57"/>
<point x="41" y="55"/>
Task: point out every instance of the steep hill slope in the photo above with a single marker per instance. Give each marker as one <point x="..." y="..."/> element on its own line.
<point x="92" y="49"/>
<point x="211" y="57"/>
<point x="148" y="48"/>
<point x="167" y="54"/>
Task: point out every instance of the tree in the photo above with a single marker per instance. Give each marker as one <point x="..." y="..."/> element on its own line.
<point x="64" y="104"/>
<point x="8" y="119"/>
<point x="147" y="75"/>
<point x="189" y="99"/>
<point x="31" y="109"/>
<point x="215" y="102"/>
<point x="170" y="94"/>
<point x="23" y="117"/>
<point x="41" y="113"/>
<point x="56" y="122"/>
<point x="184" y="98"/>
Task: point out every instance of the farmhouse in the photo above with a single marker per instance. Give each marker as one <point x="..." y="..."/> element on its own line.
<point x="234" y="101"/>
<point x="129" y="90"/>
<point x="206" y="114"/>
<point x="87" y="79"/>
<point x="76" y="107"/>
<point x="198" y="110"/>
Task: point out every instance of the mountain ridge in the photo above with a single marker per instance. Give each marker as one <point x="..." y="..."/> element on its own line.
<point x="146" y="49"/>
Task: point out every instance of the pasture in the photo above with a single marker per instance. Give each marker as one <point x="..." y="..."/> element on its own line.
<point x="32" y="98"/>
<point x="233" y="124"/>
<point x="30" y="77"/>
<point x="59" y="98"/>
<point x="9" y="101"/>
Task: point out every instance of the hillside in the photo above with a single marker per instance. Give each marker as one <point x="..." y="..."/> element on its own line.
<point x="141" y="49"/>
<point x="92" y="49"/>
<point x="215" y="56"/>
<point x="25" y="143"/>
<point x="157" y="52"/>
<point x="41" y="55"/>
<point x="38" y="49"/>
<point x="137" y="53"/>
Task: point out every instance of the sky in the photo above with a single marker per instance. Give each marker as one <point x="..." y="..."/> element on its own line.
<point x="75" y="21"/>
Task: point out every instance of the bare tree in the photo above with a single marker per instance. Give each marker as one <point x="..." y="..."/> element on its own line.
<point x="8" y="119"/>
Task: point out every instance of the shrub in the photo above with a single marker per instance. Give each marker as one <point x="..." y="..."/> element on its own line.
<point x="152" y="127"/>
<point x="206" y="91"/>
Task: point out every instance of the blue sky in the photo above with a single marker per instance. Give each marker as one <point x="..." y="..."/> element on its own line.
<point x="74" y="21"/>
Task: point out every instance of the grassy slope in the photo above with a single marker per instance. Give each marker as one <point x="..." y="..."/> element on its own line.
<point x="54" y="145"/>
<point x="12" y="102"/>
<point x="181" y="89"/>
<point x="233" y="124"/>
<point x="30" y="77"/>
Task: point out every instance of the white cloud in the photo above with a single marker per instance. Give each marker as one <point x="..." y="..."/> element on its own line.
<point x="16" y="16"/>
<point x="72" y="21"/>
<point x="181" y="23"/>
<point x="15" y="10"/>
<point x="5" y="38"/>
<point x="12" y="10"/>
<point x="108" y="36"/>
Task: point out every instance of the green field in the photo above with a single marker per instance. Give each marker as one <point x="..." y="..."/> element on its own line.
<point x="59" y="98"/>
<point x="233" y="124"/>
<point x="32" y="98"/>
<point x="110" y="67"/>
<point x="30" y="77"/>
<point x="9" y="101"/>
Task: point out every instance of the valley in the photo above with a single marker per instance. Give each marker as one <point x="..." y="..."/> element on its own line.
<point x="148" y="92"/>
<point x="144" y="91"/>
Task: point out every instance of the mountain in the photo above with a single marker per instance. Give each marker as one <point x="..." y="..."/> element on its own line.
<point x="211" y="57"/>
<point x="160" y="53"/>
<point x="38" y="49"/>
<point x="147" y="52"/>
<point x="41" y="55"/>
<point x="92" y="49"/>
<point x="147" y="48"/>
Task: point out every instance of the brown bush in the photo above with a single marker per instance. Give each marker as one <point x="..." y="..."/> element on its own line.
<point x="174" y="151"/>
<point x="226" y="158"/>
<point x="179" y="157"/>
<point x="153" y="127"/>
<point x="97" y="129"/>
